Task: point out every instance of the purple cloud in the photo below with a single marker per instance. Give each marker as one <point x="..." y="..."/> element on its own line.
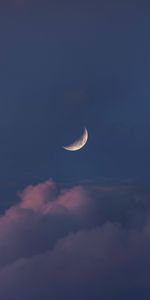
<point x="51" y="246"/>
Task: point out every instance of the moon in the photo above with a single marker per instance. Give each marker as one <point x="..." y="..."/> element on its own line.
<point x="79" y="143"/>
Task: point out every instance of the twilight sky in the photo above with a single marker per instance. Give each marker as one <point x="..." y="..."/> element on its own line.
<point x="74" y="225"/>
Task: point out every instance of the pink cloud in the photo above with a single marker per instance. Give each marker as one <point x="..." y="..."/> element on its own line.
<point x="44" y="198"/>
<point x="37" y="197"/>
<point x="42" y="210"/>
<point x="50" y="242"/>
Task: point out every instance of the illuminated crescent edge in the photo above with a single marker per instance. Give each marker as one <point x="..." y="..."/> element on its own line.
<point x="78" y="144"/>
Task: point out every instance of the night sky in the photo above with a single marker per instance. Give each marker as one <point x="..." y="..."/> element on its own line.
<point x="74" y="225"/>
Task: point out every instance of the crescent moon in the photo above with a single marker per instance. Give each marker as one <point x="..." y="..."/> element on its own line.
<point x="78" y="144"/>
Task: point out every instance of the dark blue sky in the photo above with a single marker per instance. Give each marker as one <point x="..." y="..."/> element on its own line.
<point x="74" y="225"/>
<point x="69" y="65"/>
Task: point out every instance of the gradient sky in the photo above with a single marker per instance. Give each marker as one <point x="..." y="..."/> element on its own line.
<point x="65" y="65"/>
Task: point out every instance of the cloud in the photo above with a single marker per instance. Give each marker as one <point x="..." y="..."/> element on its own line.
<point x="86" y="242"/>
<point x="44" y="198"/>
<point x="43" y="215"/>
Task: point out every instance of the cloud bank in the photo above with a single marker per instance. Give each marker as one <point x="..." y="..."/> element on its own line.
<point x="84" y="242"/>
